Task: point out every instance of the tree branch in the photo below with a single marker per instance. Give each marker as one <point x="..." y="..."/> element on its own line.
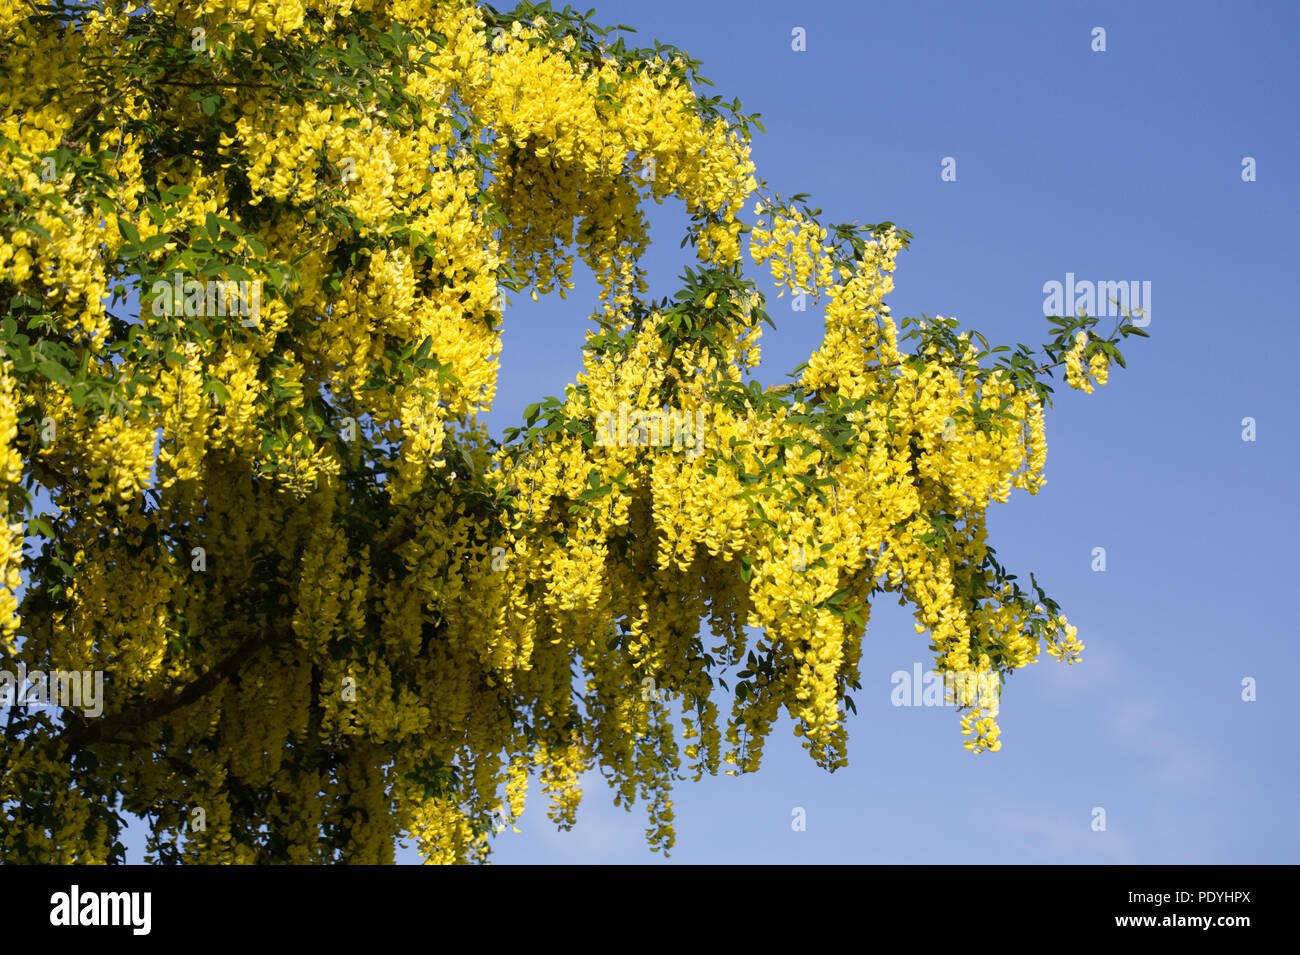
<point x="84" y="119"/>
<point x="104" y="729"/>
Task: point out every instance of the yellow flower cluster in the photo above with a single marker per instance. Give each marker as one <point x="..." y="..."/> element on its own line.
<point x="1063" y="643"/>
<point x="580" y="141"/>
<point x="11" y="530"/>
<point x="1098" y="366"/>
<point x="793" y="250"/>
<point x="678" y="521"/>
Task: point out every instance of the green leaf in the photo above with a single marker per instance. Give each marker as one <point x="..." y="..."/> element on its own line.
<point x="129" y="231"/>
<point x="154" y="242"/>
<point x="838" y="597"/>
<point x="232" y="227"/>
<point x="55" y="372"/>
<point x="218" y="390"/>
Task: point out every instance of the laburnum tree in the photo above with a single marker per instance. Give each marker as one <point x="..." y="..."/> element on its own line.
<point x="253" y="256"/>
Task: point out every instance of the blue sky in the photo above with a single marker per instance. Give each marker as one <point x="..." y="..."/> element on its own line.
<point x="1116" y="165"/>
